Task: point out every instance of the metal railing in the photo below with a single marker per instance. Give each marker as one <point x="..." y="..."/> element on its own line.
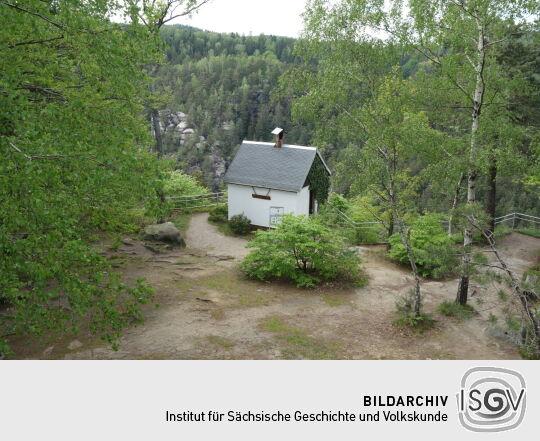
<point x="514" y="220"/>
<point x="197" y="201"/>
<point x="354" y="223"/>
<point x="517" y="219"/>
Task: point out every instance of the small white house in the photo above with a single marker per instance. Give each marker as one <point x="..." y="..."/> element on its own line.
<point x="269" y="179"/>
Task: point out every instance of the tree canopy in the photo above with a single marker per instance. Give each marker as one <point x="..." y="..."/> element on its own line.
<point x="73" y="159"/>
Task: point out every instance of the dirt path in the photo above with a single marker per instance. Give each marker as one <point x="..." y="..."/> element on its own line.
<point x="519" y="250"/>
<point x="209" y="311"/>
<point x="204" y="236"/>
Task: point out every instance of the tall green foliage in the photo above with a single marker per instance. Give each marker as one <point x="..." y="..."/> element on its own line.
<point x="319" y="180"/>
<point x="224" y="84"/>
<point x="432" y="247"/>
<point x="178" y="184"/>
<point x="73" y="158"/>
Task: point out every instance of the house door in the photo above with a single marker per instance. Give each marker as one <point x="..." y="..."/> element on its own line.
<point x="276" y="213"/>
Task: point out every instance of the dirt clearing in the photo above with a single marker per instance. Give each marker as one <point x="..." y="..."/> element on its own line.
<point x="209" y="311"/>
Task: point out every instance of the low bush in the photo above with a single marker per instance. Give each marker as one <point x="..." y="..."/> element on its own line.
<point x="432" y="247"/>
<point x="417" y="323"/>
<point x="180" y="184"/>
<point x="240" y="224"/>
<point x="302" y="251"/>
<point x="453" y="309"/>
<point x="357" y="211"/>
<point x="219" y="213"/>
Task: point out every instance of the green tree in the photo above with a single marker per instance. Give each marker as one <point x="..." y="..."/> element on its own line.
<point x="432" y="247"/>
<point x="459" y="43"/>
<point x="73" y="159"/>
<point x="462" y="39"/>
<point x="354" y="95"/>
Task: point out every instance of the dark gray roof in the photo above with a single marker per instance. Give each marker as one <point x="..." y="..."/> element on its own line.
<point x="260" y="164"/>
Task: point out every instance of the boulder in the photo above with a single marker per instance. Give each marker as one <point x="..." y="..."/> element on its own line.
<point x="75" y="344"/>
<point x="181" y="126"/>
<point x="165" y="232"/>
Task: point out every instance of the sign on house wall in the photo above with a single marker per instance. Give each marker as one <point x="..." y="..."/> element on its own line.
<point x="276" y="213"/>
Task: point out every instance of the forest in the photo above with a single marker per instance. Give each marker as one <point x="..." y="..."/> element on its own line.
<point x="427" y="112"/>
<point x="234" y="87"/>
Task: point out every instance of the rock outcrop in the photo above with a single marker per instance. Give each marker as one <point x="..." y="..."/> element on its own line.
<point x="166" y="232"/>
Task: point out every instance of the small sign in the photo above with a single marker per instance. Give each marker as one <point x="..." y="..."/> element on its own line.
<point x="276" y="213"/>
<point x="260" y="196"/>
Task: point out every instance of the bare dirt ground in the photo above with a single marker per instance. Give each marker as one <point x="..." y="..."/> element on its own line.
<point x="207" y="310"/>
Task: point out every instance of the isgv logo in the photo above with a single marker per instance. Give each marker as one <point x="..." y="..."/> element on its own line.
<point x="491" y="399"/>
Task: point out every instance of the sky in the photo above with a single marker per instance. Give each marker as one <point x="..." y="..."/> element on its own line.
<point x="275" y="17"/>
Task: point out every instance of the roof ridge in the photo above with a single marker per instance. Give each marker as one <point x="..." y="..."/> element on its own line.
<point x="284" y="145"/>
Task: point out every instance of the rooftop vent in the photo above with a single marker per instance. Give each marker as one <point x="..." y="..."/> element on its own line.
<point x="278" y="136"/>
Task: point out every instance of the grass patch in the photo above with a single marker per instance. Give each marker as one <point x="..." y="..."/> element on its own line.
<point x="240" y="292"/>
<point x="297" y="344"/>
<point x="225" y="229"/>
<point x="218" y="314"/>
<point x="418" y="324"/>
<point x="408" y="319"/>
<point x="529" y="232"/>
<point x="220" y="341"/>
<point x="254" y="299"/>
<point x="334" y="300"/>
<point x="309" y="348"/>
<point x="228" y="282"/>
<point x="277" y="324"/>
<point x="181" y="221"/>
<point x="453" y="309"/>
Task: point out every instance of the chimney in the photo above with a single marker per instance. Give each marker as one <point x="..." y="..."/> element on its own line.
<point x="278" y="137"/>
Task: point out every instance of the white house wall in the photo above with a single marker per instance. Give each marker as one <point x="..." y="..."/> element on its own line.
<point x="302" y="201"/>
<point x="258" y="210"/>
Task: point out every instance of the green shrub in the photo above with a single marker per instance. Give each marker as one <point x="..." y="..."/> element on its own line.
<point x="417" y="323"/>
<point x="453" y="309"/>
<point x="180" y="184"/>
<point x="362" y="210"/>
<point x="431" y="245"/>
<point x="358" y="210"/>
<point x="219" y="213"/>
<point x="240" y="224"/>
<point x="303" y="251"/>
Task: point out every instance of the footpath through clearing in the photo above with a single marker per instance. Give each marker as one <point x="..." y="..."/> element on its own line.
<point x="209" y="311"/>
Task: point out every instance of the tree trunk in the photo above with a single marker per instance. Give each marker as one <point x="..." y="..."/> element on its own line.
<point x="157" y="131"/>
<point x="455" y="202"/>
<point x="410" y="255"/>
<point x="472" y="177"/>
<point x="491" y="203"/>
<point x="390" y="231"/>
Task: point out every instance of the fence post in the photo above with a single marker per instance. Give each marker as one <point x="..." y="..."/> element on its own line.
<point x="514" y="221"/>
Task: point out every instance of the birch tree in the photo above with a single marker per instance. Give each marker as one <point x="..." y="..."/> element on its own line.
<point x="460" y="40"/>
<point x="354" y="94"/>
